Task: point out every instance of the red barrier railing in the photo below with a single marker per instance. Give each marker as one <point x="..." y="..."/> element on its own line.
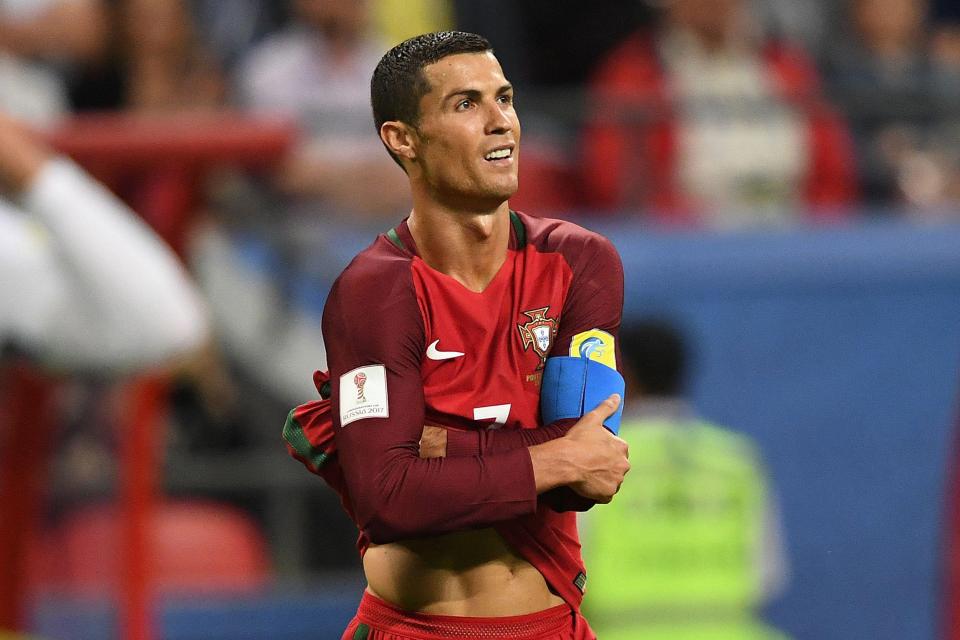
<point x="26" y="426"/>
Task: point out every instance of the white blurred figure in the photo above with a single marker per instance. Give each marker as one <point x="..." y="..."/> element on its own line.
<point x="84" y="284"/>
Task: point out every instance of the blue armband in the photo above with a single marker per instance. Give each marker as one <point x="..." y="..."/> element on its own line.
<point x="574" y="386"/>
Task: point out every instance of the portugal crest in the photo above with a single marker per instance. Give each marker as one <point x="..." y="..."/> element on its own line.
<point x="539" y="332"/>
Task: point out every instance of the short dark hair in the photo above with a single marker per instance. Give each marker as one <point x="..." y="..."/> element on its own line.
<point x="655" y="352"/>
<point x="398" y="82"/>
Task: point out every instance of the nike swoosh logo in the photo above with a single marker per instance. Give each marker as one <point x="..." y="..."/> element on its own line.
<point x="434" y="354"/>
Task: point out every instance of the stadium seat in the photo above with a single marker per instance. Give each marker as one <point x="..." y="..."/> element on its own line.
<point x="198" y="546"/>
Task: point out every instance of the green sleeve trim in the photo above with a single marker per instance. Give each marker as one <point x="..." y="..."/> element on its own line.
<point x="293" y="434"/>
<point x="362" y="632"/>
<point x="518" y="229"/>
<point x="394" y="237"/>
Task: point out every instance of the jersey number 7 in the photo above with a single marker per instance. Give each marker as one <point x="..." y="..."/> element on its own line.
<point x="496" y="412"/>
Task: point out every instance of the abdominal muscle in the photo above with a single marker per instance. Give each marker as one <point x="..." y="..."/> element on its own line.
<point x="468" y="573"/>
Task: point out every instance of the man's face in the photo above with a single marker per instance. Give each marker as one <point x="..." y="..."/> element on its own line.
<point x="467" y="139"/>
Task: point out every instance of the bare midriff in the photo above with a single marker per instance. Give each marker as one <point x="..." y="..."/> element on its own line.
<point x="468" y="573"/>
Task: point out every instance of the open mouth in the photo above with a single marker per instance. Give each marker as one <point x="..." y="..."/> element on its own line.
<point x="499" y="154"/>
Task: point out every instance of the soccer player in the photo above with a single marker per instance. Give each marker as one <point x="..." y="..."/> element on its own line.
<point x="447" y="320"/>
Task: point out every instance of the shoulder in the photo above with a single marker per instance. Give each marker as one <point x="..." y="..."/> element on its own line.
<point x="381" y="264"/>
<point x="378" y="278"/>
<point x="579" y="246"/>
<point x="550" y="234"/>
<point x="372" y="313"/>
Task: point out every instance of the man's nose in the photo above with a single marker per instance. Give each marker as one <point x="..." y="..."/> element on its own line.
<point x="498" y="121"/>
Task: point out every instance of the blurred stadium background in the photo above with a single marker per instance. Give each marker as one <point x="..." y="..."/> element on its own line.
<point x="782" y="180"/>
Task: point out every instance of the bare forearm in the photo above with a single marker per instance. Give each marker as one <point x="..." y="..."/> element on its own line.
<point x="551" y="465"/>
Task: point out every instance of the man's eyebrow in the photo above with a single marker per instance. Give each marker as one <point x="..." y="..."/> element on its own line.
<point x="469" y="93"/>
<point x="473" y="94"/>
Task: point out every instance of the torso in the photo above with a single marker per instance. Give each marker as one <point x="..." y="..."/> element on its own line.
<point x="469" y="573"/>
<point x="504" y="334"/>
<point x="466" y="360"/>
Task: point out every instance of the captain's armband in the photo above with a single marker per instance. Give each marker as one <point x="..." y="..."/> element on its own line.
<point x="573" y="386"/>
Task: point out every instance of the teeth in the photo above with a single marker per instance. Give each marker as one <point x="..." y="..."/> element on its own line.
<point x="498" y="154"/>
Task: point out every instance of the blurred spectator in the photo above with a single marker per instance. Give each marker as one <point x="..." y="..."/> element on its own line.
<point x="167" y="68"/>
<point x="807" y="23"/>
<point x="550" y="43"/>
<point x="902" y="91"/>
<point x="704" y="120"/>
<point x="318" y="73"/>
<point x="231" y="28"/>
<point x="39" y="41"/>
<point x="85" y="284"/>
<point x="691" y="545"/>
<point x="547" y="49"/>
<point x="268" y="263"/>
<point x="946" y="34"/>
<point x="155" y="61"/>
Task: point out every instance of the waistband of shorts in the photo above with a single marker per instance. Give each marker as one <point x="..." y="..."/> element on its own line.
<point x="381" y="614"/>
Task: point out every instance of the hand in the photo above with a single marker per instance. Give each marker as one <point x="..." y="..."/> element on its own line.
<point x="599" y="457"/>
<point x="433" y="442"/>
<point x="21" y="155"/>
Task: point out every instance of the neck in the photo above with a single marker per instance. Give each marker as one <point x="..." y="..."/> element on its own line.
<point x="469" y="247"/>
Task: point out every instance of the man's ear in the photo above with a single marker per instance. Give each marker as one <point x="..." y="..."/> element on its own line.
<point x="399" y="138"/>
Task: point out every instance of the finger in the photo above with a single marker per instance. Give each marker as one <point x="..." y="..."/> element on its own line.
<point x="608" y="407"/>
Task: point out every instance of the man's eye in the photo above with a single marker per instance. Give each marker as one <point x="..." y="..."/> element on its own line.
<point x="464" y="104"/>
<point x="505" y="99"/>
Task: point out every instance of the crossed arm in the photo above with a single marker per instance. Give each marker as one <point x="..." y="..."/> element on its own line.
<point x="396" y="493"/>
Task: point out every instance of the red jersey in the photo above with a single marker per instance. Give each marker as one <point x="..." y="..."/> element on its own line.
<point x="408" y="346"/>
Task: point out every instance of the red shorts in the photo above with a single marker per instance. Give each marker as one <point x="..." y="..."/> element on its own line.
<point x="380" y="620"/>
